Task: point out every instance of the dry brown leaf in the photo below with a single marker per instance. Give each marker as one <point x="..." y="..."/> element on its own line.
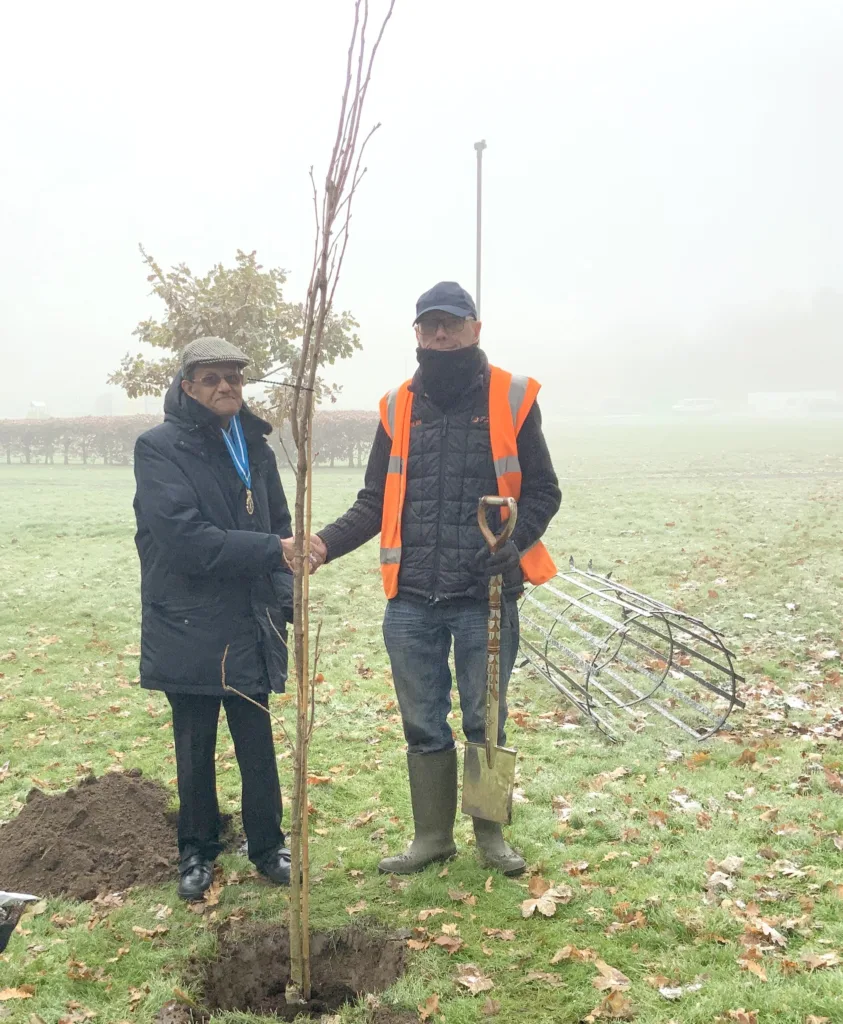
<point x="471" y="977"/>
<point x="506" y="934"/>
<point x="458" y="896"/>
<point x="609" y="978"/>
<point x="488" y="885"/>
<point x="754" y="968"/>
<point x="150" y="933"/>
<point x="835" y="781"/>
<point x="429" y="1008"/>
<point x="743" y="1016"/>
<point x="731" y="865"/>
<point x="432" y="912"/>
<point x="537" y="886"/>
<point x="24" y="992"/>
<point x="747" y="757"/>
<point x="768" y="931"/>
<point x="62" y="922"/>
<point x="549" y="979"/>
<point x="813" y="1019"/>
<point x="491" y="1007"/>
<point x="616" y="1006"/>
<point x="357" y="908"/>
<point x="450" y="943"/>
<point x="572" y="953"/>
<point x="820" y="961"/>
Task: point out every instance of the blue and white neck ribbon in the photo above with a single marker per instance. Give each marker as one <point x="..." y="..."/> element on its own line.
<point x="235" y="442"/>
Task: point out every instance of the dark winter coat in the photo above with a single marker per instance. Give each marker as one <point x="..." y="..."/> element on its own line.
<point x="212" y="576"/>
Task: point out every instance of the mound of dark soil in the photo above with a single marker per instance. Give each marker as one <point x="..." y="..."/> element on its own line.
<point x="103" y="835"/>
<point x="252" y="970"/>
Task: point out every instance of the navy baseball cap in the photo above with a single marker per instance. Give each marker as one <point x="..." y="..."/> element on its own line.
<point x="446" y="297"/>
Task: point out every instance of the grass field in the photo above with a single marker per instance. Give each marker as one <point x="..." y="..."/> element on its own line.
<point x="747" y="514"/>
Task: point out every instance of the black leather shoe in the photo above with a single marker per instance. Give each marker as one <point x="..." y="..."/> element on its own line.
<point x="195" y="877"/>
<point x="276" y="866"/>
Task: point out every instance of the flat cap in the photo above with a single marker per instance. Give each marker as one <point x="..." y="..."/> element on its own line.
<point x="211" y="350"/>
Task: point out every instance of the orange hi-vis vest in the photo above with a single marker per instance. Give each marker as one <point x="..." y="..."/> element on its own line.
<point x="510" y="399"/>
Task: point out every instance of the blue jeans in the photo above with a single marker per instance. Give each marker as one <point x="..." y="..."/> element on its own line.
<point x="418" y="639"/>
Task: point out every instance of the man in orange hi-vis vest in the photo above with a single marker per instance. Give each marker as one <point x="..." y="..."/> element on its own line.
<point x="460" y="429"/>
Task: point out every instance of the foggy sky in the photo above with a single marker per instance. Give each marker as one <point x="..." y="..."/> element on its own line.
<point x="649" y="163"/>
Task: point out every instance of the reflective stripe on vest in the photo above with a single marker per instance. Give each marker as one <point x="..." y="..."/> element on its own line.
<point x="510" y="399"/>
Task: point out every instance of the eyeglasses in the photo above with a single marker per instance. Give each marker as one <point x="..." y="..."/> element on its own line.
<point x="450" y="324"/>
<point x="213" y="380"/>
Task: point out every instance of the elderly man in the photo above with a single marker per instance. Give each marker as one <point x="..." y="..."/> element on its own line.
<point x="460" y="429"/>
<point x="216" y="595"/>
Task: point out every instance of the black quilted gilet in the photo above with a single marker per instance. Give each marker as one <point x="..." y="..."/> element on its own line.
<point x="449" y="469"/>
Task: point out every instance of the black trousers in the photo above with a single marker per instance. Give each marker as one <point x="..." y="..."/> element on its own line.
<point x="195" y="720"/>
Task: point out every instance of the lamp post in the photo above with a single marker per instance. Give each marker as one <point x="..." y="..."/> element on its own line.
<point x="479" y="147"/>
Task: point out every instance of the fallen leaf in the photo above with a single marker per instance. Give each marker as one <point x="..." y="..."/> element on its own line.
<point x="150" y="933"/>
<point x="768" y="931"/>
<point x="549" y="979"/>
<point x="433" y="912"/>
<point x="357" y="908"/>
<point x="488" y="885"/>
<point x="24" y="992"/>
<point x="506" y="934"/>
<point x="458" y="896"/>
<point x="472" y="978"/>
<point x="674" y="993"/>
<point x="572" y="953"/>
<point x="609" y="978"/>
<point x="820" y="961"/>
<point x="615" y="1006"/>
<point x="744" y="1016"/>
<point x="537" y="886"/>
<point x="429" y="1008"/>
<point x="731" y="865"/>
<point x="547" y="903"/>
<point x="62" y="922"/>
<point x="491" y="1007"/>
<point x="363" y="819"/>
<point x="835" y="782"/>
<point x="754" y="968"/>
<point x="813" y="1019"/>
<point x="562" y="807"/>
<point x="318" y="780"/>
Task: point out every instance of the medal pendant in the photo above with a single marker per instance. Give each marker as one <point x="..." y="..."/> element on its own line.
<point x="250" y="503"/>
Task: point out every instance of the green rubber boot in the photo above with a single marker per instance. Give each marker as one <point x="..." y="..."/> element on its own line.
<point x="495" y="851"/>
<point x="433" y="793"/>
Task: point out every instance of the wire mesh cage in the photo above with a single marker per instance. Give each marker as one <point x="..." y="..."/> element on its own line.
<point x="613" y="652"/>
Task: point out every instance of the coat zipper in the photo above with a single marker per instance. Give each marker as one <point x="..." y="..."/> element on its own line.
<point x="443" y="451"/>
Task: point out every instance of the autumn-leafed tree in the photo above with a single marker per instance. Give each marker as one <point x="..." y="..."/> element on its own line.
<point x="245" y="305"/>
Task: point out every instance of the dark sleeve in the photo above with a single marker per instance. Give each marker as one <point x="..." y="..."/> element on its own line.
<point x="169" y="506"/>
<point x="280" y="521"/>
<point x="540" y="493"/>
<point x="363" y="519"/>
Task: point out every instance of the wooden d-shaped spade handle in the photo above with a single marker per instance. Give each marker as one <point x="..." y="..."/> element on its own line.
<point x="496" y="542"/>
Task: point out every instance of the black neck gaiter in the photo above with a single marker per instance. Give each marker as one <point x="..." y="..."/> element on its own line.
<point x="445" y="374"/>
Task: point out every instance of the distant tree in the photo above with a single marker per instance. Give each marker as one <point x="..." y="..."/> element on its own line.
<point x="243" y="304"/>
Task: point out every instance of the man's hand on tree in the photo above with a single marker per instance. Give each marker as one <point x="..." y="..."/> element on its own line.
<point x="316" y="558"/>
<point x="499" y="563"/>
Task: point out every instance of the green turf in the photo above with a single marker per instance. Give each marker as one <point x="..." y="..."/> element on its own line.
<point x="754" y="519"/>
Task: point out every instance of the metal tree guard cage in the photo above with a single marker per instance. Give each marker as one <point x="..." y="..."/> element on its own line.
<point x="609" y="650"/>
